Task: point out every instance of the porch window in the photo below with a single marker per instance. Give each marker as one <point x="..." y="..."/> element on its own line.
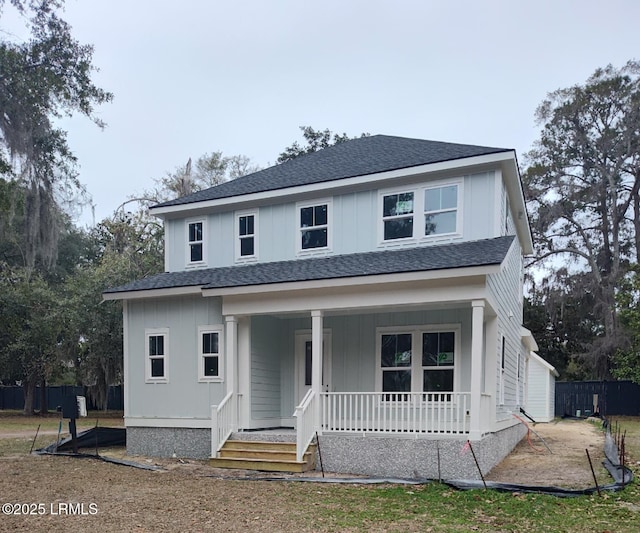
<point x="313" y="225"/>
<point x="157" y="347"/>
<point x="396" y="362"/>
<point x="196" y="242"/>
<point x="420" y="360"/>
<point x="210" y="364"/>
<point x="397" y="216"/>
<point x="438" y="361"/>
<point x="440" y="210"/>
<point x="246" y="231"/>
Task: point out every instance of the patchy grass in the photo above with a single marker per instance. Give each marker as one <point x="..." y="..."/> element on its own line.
<point x="195" y="499"/>
<point x="630" y="427"/>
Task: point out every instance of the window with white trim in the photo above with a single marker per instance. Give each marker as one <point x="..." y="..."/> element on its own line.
<point x="210" y="356"/>
<point x="314" y="232"/>
<point x="157" y="355"/>
<point x="246" y="232"/>
<point x="195" y="242"/>
<point x="422" y="359"/>
<point x="438" y="361"/>
<point x="439" y="204"/>
<point x="397" y="216"/>
<point x="440" y="210"/>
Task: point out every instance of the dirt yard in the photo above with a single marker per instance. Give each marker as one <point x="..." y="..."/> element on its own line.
<point x="189" y="495"/>
<point x="563" y="464"/>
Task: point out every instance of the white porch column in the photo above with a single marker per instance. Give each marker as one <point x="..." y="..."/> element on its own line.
<point x="231" y="352"/>
<point x="316" y="360"/>
<point x="477" y="347"/>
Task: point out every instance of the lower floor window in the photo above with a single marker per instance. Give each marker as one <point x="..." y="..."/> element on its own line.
<point x="157" y="347"/>
<point x="417" y="361"/>
<point x="210" y="339"/>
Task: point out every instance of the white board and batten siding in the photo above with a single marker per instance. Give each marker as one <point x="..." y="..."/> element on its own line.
<point x="354" y="222"/>
<point x="540" y="389"/>
<point x="183" y="397"/>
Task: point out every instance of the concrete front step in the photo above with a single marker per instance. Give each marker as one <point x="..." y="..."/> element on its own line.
<point x="267" y="456"/>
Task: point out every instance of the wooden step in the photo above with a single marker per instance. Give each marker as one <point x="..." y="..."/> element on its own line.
<point x="262" y="455"/>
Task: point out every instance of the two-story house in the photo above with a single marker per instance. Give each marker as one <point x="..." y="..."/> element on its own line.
<point x="370" y="292"/>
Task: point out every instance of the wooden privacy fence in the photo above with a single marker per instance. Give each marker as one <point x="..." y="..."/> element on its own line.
<point x="12" y="397"/>
<point x="607" y="398"/>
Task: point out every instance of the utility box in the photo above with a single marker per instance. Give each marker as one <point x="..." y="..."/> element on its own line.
<point x="74" y="407"/>
<point x="82" y="405"/>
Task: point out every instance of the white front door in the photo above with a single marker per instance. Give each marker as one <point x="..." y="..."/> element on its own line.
<point x="303" y="363"/>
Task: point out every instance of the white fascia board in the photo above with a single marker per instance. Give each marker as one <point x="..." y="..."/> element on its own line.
<point x="143" y="422"/>
<point x="545" y="364"/>
<point x="356" y="281"/>
<point x="528" y="339"/>
<point x="515" y="191"/>
<point x="152" y="293"/>
<point x="455" y="164"/>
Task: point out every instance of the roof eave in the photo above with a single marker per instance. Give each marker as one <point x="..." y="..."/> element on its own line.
<point x="192" y="208"/>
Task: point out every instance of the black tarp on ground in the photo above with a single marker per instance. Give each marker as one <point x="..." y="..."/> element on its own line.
<point x="100" y="437"/>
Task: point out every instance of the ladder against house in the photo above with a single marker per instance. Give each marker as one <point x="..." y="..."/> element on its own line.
<point x="264" y="455"/>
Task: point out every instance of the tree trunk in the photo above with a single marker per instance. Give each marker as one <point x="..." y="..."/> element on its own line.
<point x="44" y="407"/>
<point x="29" y="389"/>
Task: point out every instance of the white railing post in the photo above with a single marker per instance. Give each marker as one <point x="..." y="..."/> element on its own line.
<point x="222" y="422"/>
<point x="214" y="431"/>
<point x="305" y="414"/>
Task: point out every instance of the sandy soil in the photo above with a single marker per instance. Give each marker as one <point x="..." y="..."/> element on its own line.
<point x="191" y="496"/>
<point x="555" y="455"/>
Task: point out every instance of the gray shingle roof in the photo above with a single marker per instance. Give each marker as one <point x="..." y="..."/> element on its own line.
<point x="358" y="157"/>
<point x="445" y="256"/>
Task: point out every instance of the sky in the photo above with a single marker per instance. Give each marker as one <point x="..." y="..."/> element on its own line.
<point x="191" y="77"/>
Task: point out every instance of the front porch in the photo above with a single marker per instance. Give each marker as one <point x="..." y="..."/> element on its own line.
<point x="404" y="360"/>
<point x="370" y="414"/>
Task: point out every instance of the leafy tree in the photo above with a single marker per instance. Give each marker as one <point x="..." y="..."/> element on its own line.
<point x="129" y="246"/>
<point x="315" y="140"/>
<point x="627" y="359"/>
<point x="29" y="331"/>
<point x="42" y="79"/>
<point x="582" y="189"/>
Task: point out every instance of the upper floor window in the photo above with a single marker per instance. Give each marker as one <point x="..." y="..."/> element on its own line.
<point x="440" y="210"/>
<point x="196" y="242"/>
<point x="397" y="215"/>
<point x="402" y="211"/>
<point x="314" y="231"/>
<point x="157" y="346"/>
<point x="246" y="231"/>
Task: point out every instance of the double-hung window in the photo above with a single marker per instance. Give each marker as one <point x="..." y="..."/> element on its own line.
<point x="396" y="359"/>
<point x="210" y="353"/>
<point x="157" y="355"/>
<point x="246" y="231"/>
<point x="421" y="213"/>
<point x="314" y="232"/>
<point x="195" y="238"/>
<point x="420" y="359"/>
<point x="438" y="361"/>
<point x="440" y="210"/>
<point x="397" y="216"/>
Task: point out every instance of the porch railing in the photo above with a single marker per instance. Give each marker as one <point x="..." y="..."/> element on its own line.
<point x="223" y="418"/>
<point x="306" y="423"/>
<point x="383" y="412"/>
